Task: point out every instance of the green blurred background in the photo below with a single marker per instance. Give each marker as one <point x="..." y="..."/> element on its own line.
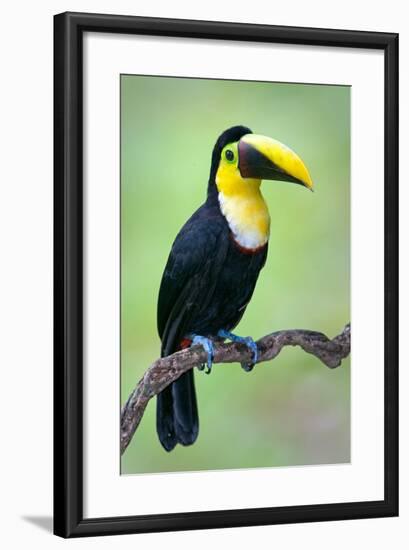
<point x="293" y="410"/>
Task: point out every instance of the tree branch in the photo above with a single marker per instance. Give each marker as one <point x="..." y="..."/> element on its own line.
<point x="166" y="370"/>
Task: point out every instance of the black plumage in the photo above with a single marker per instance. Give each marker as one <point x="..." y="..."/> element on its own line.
<point x="206" y="286"/>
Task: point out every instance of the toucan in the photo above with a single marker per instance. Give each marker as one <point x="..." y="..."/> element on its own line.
<point x="214" y="263"/>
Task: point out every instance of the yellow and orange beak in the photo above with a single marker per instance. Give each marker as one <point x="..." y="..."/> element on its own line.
<point x="261" y="157"/>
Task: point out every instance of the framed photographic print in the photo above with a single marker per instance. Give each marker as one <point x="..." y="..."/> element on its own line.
<point x="226" y="204"/>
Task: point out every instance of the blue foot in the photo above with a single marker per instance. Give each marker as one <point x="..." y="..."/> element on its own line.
<point x="248" y="341"/>
<point x="207" y="345"/>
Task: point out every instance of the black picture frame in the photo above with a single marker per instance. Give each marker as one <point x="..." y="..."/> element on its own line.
<point x="68" y="274"/>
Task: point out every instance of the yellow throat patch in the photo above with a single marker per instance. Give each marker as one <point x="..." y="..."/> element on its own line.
<point x="242" y="204"/>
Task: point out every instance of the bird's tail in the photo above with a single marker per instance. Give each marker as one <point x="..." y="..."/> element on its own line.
<point x="177" y="419"/>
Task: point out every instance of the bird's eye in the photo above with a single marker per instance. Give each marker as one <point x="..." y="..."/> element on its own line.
<point x="229" y="155"/>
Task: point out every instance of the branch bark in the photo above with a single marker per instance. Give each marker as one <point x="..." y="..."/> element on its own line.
<point x="166" y="370"/>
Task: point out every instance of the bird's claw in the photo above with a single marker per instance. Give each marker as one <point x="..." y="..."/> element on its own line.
<point x="247" y="367"/>
<point x="207" y="345"/>
<point x="248" y="341"/>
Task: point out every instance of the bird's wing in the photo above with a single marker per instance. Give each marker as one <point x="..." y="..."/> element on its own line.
<point x="189" y="278"/>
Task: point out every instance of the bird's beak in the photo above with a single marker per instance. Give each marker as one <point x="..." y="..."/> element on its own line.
<point x="262" y="157"/>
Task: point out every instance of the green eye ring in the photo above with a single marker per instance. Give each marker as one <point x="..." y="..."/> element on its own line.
<point x="229" y="155"/>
